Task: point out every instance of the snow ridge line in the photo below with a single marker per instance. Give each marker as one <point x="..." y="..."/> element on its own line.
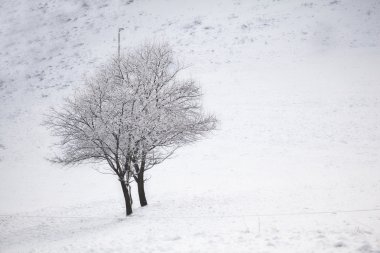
<point x="195" y="217"/>
<point x="274" y="214"/>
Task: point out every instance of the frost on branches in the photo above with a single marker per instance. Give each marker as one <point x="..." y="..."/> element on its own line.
<point x="133" y="114"/>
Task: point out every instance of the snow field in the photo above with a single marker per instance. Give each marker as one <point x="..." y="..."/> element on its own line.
<point x="294" y="84"/>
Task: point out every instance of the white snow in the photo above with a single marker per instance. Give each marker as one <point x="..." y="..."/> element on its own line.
<point x="293" y="167"/>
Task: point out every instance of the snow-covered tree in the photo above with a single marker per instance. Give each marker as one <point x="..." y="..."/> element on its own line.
<point x="133" y="115"/>
<point x="169" y="108"/>
<point x="95" y="125"/>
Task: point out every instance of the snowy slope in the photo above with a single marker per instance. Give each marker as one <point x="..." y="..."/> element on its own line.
<point x="293" y="167"/>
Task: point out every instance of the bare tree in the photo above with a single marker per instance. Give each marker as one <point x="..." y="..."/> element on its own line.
<point x="95" y="125"/>
<point x="170" y="109"/>
<point x="133" y="115"/>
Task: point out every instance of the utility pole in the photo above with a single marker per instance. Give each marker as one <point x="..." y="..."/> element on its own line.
<point x="118" y="42"/>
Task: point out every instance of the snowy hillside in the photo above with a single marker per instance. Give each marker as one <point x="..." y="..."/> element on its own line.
<point x="293" y="167"/>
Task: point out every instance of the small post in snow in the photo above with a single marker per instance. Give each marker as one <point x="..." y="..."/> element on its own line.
<point x="259" y="225"/>
<point x="118" y="42"/>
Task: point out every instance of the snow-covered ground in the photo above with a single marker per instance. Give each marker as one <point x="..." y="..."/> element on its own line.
<point x="293" y="167"/>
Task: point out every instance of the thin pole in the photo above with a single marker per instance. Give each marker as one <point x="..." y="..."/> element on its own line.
<point x="118" y="42"/>
<point x="259" y="224"/>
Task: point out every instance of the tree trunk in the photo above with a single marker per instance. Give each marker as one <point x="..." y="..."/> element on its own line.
<point x="141" y="190"/>
<point x="128" y="204"/>
<point x="140" y="181"/>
